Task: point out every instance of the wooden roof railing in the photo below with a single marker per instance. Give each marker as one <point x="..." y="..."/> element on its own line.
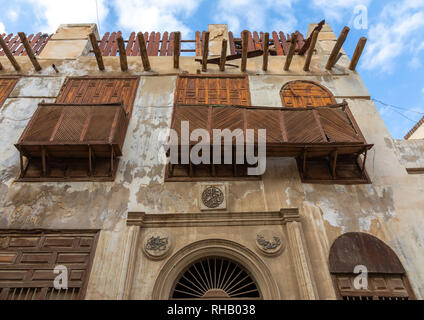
<point x="37" y="42"/>
<point x="162" y="44"/>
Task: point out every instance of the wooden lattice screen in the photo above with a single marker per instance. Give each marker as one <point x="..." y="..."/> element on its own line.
<point x="6" y="87"/>
<point x="28" y="259"/>
<point x="303" y="94"/>
<point x="86" y="90"/>
<point x="207" y="89"/>
<point x="37" y="43"/>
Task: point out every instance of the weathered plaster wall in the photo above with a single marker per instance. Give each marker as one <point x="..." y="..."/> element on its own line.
<point x="390" y="207"/>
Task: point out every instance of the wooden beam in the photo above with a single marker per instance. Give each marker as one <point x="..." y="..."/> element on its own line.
<point x="291" y="51"/>
<point x="29" y="51"/>
<point x="363" y="163"/>
<point x="9" y="54"/>
<point x="177" y="44"/>
<point x="334" y="164"/>
<point x="21" y="163"/>
<point x="311" y="50"/>
<point x="122" y="54"/>
<point x="111" y="160"/>
<point x="223" y="55"/>
<point x="96" y="51"/>
<point x="357" y="54"/>
<point x="43" y="161"/>
<point x="307" y="43"/>
<point x="143" y="51"/>
<point x="244" y="48"/>
<point x="205" y="52"/>
<point x="304" y="163"/>
<point x="336" y="49"/>
<point x="265" y="47"/>
<point x="90" y="164"/>
<point x="250" y="54"/>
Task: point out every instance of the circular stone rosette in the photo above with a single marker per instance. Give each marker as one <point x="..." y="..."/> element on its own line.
<point x="157" y="244"/>
<point x="212" y="197"/>
<point x="270" y="242"/>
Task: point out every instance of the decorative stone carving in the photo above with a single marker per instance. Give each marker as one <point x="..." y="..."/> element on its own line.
<point x="213" y="197"/>
<point x="269" y="242"/>
<point x="157" y="244"/>
<point x="4" y="242"/>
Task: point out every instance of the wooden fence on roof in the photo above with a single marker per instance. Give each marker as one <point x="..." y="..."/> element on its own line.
<point x="158" y="44"/>
<point x="37" y="43"/>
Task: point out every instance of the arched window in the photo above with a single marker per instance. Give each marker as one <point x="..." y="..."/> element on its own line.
<point x="305" y="94"/>
<point x="215" y="278"/>
<point x="385" y="279"/>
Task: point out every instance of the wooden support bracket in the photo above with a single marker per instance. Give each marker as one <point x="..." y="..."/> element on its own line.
<point x="143" y="52"/>
<point x="265" y="46"/>
<point x="96" y="51"/>
<point x="9" y="55"/>
<point x="244" y="48"/>
<point x="205" y="52"/>
<point x="311" y="50"/>
<point x="122" y="54"/>
<point x="336" y="49"/>
<point x="29" y="51"/>
<point x="357" y="54"/>
<point x="223" y="55"/>
<point x="177" y="50"/>
<point x="291" y="51"/>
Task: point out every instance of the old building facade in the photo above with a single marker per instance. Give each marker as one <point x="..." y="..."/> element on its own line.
<point x="83" y="184"/>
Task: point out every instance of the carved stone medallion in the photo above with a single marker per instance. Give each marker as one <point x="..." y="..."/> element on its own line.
<point x="157" y="244"/>
<point x="270" y="242"/>
<point x="212" y="197"/>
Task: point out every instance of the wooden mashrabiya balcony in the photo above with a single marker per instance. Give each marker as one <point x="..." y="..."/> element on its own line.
<point x="72" y="142"/>
<point x="326" y="141"/>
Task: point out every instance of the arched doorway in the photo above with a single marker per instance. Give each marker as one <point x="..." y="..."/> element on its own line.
<point x="385" y="279"/>
<point x="237" y="257"/>
<point x="305" y="94"/>
<point x="215" y="278"/>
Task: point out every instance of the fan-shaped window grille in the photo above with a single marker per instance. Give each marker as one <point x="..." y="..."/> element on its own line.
<point x="305" y="94"/>
<point x="215" y="278"/>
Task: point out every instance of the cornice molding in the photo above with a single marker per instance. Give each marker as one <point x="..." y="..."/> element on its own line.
<point x="206" y="219"/>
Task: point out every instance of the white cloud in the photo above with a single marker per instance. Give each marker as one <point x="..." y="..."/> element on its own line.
<point x="336" y="9"/>
<point x="12" y="15"/>
<point x="52" y="13"/>
<point x="395" y="33"/>
<point x="155" y="15"/>
<point x="2" y="28"/>
<point x="256" y="15"/>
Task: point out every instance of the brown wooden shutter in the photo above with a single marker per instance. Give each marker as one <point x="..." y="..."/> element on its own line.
<point x="212" y="89"/>
<point x="86" y="90"/>
<point x="380" y="287"/>
<point x="387" y="278"/>
<point x="28" y="258"/>
<point x="304" y="94"/>
<point x="6" y="87"/>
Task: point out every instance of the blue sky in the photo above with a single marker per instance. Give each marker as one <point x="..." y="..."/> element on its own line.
<point x="391" y="67"/>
